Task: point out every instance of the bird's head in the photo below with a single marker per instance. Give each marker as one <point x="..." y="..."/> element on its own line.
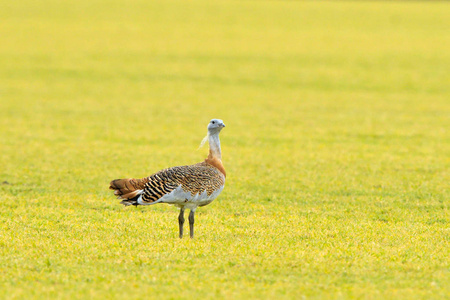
<point x="215" y="126"/>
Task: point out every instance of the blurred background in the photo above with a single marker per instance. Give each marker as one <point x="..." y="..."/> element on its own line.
<point x="82" y="80"/>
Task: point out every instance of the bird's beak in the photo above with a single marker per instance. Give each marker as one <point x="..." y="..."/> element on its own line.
<point x="223" y="125"/>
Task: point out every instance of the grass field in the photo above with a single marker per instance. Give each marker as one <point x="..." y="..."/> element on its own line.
<point x="337" y="148"/>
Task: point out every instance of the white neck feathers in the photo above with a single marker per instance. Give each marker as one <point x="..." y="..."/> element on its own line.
<point x="214" y="145"/>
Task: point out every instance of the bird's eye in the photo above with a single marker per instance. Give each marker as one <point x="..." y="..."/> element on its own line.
<point x="214" y="122"/>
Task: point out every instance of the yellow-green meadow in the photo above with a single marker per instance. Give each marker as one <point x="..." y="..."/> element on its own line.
<point x="336" y="148"/>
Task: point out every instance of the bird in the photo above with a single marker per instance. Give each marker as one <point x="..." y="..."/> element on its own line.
<point x="186" y="187"/>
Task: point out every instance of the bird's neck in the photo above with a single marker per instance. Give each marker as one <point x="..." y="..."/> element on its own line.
<point x="215" y="156"/>
<point x="214" y="146"/>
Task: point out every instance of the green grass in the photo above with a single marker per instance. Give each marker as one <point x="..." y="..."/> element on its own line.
<point x="336" y="148"/>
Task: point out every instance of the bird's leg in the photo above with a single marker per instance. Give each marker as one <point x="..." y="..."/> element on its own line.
<point x="191" y="223"/>
<point x="181" y="221"/>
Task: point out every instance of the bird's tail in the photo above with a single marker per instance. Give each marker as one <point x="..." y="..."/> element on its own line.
<point x="128" y="189"/>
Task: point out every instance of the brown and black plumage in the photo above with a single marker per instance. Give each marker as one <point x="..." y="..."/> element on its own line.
<point x="184" y="186"/>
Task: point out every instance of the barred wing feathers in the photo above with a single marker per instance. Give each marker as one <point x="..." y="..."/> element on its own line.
<point x="199" y="182"/>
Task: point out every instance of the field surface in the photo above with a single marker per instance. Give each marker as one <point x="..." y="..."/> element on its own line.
<point x="337" y="148"/>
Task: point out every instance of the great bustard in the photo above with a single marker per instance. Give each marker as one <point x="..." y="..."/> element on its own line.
<point x="187" y="187"/>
